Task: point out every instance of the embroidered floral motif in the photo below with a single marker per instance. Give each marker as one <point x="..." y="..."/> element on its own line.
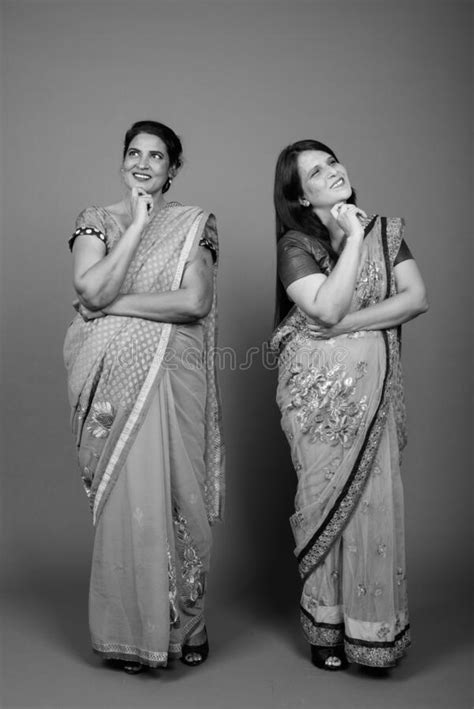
<point x="192" y="569"/>
<point x="382" y="550"/>
<point x="383" y="631"/>
<point x="400" y="576"/>
<point x="378" y="591"/>
<point x="327" y="410"/>
<point x="361" y="590"/>
<point x="172" y="592"/>
<point x="365" y="507"/>
<point x="368" y="284"/>
<point x="138" y="516"/>
<point x="101" y="420"/>
<point x="330" y="470"/>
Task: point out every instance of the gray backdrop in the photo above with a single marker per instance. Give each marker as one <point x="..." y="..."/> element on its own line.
<point x="387" y="85"/>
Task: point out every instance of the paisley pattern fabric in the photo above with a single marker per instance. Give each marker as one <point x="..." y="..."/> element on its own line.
<point x="345" y="422"/>
<point x="146" y="420"/>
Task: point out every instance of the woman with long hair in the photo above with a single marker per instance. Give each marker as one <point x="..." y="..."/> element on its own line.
<point x="145" y="407"/>
<point x="346" y="282"/>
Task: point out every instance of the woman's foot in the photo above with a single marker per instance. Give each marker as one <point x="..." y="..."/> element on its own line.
<point x="329" y="658"/>
<point x="132" y="668"/>
<point x="196" y="650"/>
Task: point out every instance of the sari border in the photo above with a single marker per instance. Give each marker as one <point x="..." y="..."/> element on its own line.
<point x="130" y="653"/>
<point x="376" y="653"/>
<point x="318" y="546"/>
<point x="124" y="441"/>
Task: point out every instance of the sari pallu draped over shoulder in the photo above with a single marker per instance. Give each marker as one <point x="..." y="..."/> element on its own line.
<point x="114" y="363"/>
<point x="338" y="398"/>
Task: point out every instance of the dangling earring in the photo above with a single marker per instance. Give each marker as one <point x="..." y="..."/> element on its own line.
<point x="167" y="185"/>
<point x="304" y="202"/>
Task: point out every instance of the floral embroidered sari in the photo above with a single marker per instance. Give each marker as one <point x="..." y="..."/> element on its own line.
<point x="342" y="410"/>
<point x="146" y="419"/>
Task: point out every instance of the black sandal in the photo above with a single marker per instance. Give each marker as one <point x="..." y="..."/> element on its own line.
<point x="323" y="657"/>
<point x="132" y="668"/>
<point x="202" y="650"/>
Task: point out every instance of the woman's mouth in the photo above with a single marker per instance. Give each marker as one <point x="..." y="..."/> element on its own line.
<point x="141" y="176"/>
<point x="339" y="183"/>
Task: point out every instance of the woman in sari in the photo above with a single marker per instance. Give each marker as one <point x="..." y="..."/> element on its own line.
<point x="145" y="408"/>
<point x="346" y="284"/>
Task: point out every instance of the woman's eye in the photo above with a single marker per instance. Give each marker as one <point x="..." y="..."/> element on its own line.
<point x="157" y="156"/>
<point x="132" y="153"/>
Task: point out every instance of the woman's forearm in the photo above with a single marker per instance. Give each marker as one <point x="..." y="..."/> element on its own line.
<point x="100" y="284"/>
<point x="333" y="299"/>
<point x="178" y="306"/>
<point x="394" y="311"/>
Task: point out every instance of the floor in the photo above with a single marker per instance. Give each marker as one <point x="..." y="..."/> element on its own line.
<point x="258" y="660"/>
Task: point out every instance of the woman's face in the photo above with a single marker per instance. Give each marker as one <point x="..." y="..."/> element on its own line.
<point x="146" y="163"/>
<point x="324" y="181"/>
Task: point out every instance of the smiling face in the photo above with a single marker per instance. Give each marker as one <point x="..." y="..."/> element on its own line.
<point x="324" y="181"/>
<point x="146" y="163"/>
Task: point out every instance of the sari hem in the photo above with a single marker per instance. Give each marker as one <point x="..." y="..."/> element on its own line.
<point x="116" y="651"/>
<point x="362" y="652"/>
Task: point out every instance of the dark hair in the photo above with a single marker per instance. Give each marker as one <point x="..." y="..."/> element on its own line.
<point x="168" y="136"/>
<point x="290" y="213"/>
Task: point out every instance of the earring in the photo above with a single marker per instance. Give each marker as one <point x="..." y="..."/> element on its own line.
<point x="167" y="185"/>
<point x="304" y="202"/>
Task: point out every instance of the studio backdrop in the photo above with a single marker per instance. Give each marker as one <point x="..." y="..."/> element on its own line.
<point x="386" y="85"/>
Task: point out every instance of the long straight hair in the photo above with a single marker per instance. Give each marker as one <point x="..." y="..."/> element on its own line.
<point x="290" y="214"/>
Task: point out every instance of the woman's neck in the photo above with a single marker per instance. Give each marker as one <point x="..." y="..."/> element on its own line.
<point x="336" y="234"/>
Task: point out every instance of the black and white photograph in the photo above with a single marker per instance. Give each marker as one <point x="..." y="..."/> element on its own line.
<point x="236" y="327"/>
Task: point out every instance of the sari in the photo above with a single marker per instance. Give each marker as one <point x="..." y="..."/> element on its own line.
<point x="147" y="425"/>
<point x="342" y="411"/>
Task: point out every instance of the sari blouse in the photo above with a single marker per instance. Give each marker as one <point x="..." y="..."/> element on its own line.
<point x="300" y="255"/>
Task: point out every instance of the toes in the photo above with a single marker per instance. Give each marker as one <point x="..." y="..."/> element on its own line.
<point x="193" y="657"/>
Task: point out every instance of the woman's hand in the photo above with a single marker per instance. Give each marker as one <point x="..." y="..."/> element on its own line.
<point x="347" y="217"/>
<point x="86" y="313"/>
<point x="141" y="204"/>
<point x="325" y="332"/>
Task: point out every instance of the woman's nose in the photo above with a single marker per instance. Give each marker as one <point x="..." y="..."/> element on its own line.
<point x="143" y="161"/>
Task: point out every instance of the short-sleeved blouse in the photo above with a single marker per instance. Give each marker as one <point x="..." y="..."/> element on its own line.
<point x="300" y="255"/>
<point x="98" y="222"/>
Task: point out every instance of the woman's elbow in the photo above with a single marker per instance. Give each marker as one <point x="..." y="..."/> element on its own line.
<point x="199" y="306"/>
<point x="88" y="297"/>
<point x="327" y="316"/>
<point x="422" y="303"/>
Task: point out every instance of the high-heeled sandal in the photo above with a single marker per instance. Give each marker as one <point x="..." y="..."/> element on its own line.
<point x="331" y="659"/>
<point x="202" y="650"/>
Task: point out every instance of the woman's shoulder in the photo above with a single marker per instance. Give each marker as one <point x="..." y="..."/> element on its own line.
<point x="298" y="240"/>
<point x="295" y="237"/>
<point x="97" y="221"/>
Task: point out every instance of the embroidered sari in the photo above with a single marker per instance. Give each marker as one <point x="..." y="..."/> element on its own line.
<point x="146" y="420"/>
<point x="342" y="410"/>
